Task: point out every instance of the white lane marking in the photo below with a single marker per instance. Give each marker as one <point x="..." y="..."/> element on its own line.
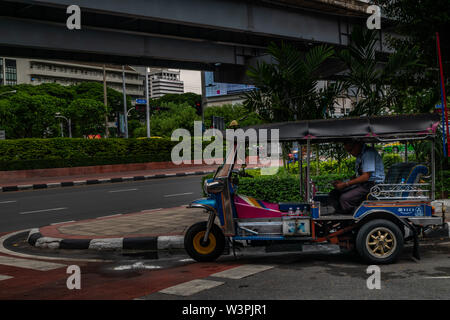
<point x="191" y="287"/>
<point x="442" y="277"/>
<point x="123" y="190"/>
<point x="30" y="264"/>
<point x="43" y="210"/>
<point x="178" y="194"/>
<point x="2" y="277"/>
<point x="112" y="215"/>
<point x="241" y="271"/>
<point x="10" y="201"/>
<point x="148" y="210"/>
<point x="52" y="224"/>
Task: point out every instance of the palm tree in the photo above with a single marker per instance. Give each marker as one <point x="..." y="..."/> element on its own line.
<point x="368" y="77"/>
<point x="287" y="89"/>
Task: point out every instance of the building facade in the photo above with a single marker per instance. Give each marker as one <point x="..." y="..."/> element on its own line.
<point x="164" y="81"/>
<point x="34" y="71"/>
<point x="8" y="71"/>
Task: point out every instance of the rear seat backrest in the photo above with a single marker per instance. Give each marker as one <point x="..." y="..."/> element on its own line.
<point x="411" y="172"/>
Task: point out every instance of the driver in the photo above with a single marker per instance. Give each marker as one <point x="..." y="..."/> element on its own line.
<point x="369" y="170"/>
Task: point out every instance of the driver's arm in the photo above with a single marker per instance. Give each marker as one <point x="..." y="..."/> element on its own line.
<point x="362" y="178"/>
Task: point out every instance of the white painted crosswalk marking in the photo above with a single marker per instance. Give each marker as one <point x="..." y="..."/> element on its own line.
<point x="191" y="287"/>
<point x="29" y="264"/>
<point x="241" y="271"/>
<point x="3" y="277"/>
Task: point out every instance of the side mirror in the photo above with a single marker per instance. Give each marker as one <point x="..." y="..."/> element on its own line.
<point x="216" y="186"/>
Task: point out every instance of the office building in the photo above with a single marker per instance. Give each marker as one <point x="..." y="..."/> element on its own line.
<point x="164" y="81"/>
<point x="35" y="71"/>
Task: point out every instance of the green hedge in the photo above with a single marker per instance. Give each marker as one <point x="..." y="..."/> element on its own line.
<point x="24" y="154"/>
<point x="281" y="187"/>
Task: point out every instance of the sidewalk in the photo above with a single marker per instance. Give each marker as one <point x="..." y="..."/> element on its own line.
<point x="150" y="229"/>
<point x="157" y="229"/>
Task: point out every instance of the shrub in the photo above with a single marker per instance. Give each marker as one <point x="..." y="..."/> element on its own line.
<point x="65" y="152"/>
<point x="390" y="159"/>
<point x="282" y="187"/>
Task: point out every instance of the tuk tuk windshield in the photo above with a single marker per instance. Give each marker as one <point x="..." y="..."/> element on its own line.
<point x="224" y="170"/>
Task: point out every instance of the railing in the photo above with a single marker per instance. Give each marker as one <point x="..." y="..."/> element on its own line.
<point x="416" y="191"/>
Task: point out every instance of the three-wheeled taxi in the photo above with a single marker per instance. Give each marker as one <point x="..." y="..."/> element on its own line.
<point x="394" y="212"/>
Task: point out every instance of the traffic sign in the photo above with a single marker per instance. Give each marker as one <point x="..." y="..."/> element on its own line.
<point x="141" y="101"/>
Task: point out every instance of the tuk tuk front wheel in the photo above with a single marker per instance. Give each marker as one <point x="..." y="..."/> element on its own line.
<point x="204" y="251"/>
<point x="379" y="242"/>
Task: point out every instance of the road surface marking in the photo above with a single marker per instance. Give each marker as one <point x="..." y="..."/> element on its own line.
<point x="178" y="194"/>
<point x="241" y="271"/>
<point x="30" y="264"/>
<point x="149" y="210"/>
<point x="2" y="277"/>
<point x="43" y="210"/>
<point x="442" y="277"/>
<point x="10" y="201"/>
<point x="52" y="224"/>
<point x="191" y="287"/>
<point x="123" y="190"/>
<point x="112" y="215"/>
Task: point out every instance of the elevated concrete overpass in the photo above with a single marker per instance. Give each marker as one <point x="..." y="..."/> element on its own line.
<point x="218" y="35"/>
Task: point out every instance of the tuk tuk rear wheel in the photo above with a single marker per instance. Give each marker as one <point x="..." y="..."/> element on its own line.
<point x="379" y="242"/>
<point x="200" y="251"/>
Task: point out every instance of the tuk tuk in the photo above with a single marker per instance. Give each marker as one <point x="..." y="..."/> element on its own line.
<point x="394" y="212"/>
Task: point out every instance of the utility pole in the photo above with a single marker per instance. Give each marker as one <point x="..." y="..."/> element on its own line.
<point x="203" y="98"/>
<point x="148" y="102"/>
<point x="124" y="102"/>
<point x="105" y="101"/>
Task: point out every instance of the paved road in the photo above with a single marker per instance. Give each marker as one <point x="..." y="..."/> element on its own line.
<point x="35" y="208"/>
<point x="254" y="275"/>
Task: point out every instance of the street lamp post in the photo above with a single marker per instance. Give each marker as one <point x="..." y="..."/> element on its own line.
<point x="69" y="122"/>
<point x="124" y="101"/>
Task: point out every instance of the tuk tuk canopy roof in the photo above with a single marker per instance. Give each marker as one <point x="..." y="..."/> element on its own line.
<point x="363" y="128"/>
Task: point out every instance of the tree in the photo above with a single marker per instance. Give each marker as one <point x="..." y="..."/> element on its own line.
<point x="27" y="116"/>
<point x="417" y="23"/>
<point x="189" y="98"/>
<point x="231" y="112"/>
<point x="87" y="116"/>
<point x="164" y="122"/>
<point x="369" y="76"/>
<point x="94" y="91"/>
<point x="287" y="89"/>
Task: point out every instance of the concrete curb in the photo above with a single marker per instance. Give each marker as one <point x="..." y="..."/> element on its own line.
<point x="36" y="239"/>
<point x="98" y="181"/>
